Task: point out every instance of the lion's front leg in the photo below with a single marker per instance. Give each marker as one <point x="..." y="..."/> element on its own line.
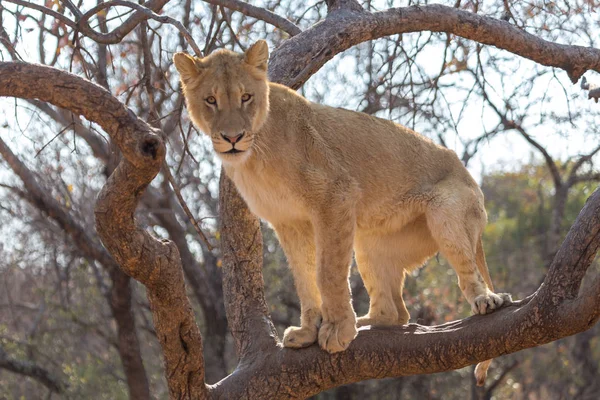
<point x="298" y="243"/>
<point x="334" y="232"/>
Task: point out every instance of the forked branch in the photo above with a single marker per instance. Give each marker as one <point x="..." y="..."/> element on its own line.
<point x="153" y="262"/>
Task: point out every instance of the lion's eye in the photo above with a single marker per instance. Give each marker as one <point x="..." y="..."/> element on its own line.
<point x="211" y="100"/>
<point x="246" y="97"/>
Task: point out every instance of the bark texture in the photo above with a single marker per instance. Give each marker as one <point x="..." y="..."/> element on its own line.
<point x="243" y="286"/>
<point x="349" y="26"/>
<point x="266" y="370"/>
<point x="119" y="296"/>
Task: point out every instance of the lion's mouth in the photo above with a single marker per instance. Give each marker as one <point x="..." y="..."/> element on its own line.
<point x="233" y="151"/>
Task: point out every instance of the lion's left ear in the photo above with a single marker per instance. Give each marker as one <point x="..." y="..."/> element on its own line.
<point x="258" y="55"/>
<point x="188" y="66"/>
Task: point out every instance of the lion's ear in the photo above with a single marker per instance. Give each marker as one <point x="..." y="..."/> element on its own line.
<point x="188" y="67"/>
<point x="258" y="55"/>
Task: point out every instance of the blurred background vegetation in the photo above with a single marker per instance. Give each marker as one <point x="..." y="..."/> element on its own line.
<point x="526" y="133"/>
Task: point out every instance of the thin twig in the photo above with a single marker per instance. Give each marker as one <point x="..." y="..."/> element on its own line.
<point x="175" y="187"/>
<point x="259" y="13"/>
<point x="52" y="140"/>
<point x="149" y="14"/>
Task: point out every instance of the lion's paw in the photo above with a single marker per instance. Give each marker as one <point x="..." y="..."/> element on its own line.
<point x="335" y="336"/>
<point x="297" y="337"/>
<point x="487" y="303"/>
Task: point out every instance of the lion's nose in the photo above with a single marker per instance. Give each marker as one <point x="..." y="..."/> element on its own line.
<point x="233" y="139"/>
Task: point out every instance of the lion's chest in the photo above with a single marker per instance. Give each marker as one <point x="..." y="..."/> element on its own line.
<point x="267" y="197"/>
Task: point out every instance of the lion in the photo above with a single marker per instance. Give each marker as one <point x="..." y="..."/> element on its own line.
<point x="332" y="182"/>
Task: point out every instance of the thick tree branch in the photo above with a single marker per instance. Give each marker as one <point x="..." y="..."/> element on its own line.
<point x="156" y="264"/>
<point x="272" y="372"/>
<point x="119" y="297"/>
<point x="78" y="95"/>
<point x="575" y="255"/>
<point x="311" y="49"/>
<point x="416" y="349"/>
<point x="243" y="286"/>
<point x="153" y="262"/>
<point x="348" y="5"/>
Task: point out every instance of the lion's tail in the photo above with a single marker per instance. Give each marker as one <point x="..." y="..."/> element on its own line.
<point x="482" y="368"/>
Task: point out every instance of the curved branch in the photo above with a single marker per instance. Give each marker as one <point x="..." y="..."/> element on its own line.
<point x="113" y="37"/>
<point x="548" y="315"/>
<point x="146" y="12"/>
<point x="259" y="13"/>
<point x="153" y="262"/>
<point x="65" y="90"/>
<point x="345" y="28"/>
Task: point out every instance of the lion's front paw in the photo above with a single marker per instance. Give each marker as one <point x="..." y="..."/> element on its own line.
<point x="487" y="303"/>
<point x="335" y="336"/>
<point x="299" y="336"/>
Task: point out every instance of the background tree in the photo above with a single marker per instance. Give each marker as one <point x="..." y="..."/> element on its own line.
<point x="62" y="287"/>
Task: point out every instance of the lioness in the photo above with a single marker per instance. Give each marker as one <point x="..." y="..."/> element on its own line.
<point x="331" y="180"/>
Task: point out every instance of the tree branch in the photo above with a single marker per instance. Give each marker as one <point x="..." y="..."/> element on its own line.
<point x="311" y="49"/>
<point x="143" y="11"/>
<point x="119" y="297"/>
<point x="243" y="286"/>
<point x="259" y="13"/>
<point x="153" y="262"/>
<point x="511" y="124"/>
<point x="78" y="95"/>
<point x="399" y="351"/>
<point x="27" y="368"/>
<point x="376" y="353"/>
<point x="574" y="256"/>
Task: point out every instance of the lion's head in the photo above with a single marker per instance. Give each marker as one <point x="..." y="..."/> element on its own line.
<point x="227" y="97"/>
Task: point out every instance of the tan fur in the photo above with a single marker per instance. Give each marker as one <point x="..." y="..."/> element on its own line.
<point x="331" y="181"/>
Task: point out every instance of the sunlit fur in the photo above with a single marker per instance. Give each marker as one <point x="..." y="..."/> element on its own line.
<point x="332" y="181"/>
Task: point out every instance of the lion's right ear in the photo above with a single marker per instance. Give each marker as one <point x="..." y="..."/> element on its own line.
<point x="258" y="55"/>
<point x="188" y="67"/>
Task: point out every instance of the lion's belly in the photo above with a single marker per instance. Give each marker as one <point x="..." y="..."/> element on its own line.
<point x="272" y="202"/>
<point x="387" y="215"/>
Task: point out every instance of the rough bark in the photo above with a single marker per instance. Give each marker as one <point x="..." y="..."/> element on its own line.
<point x="119" y="298"/>
<point x="207" y="292"/>
<point x="266" y="370"/>
<point x="346" y="27"/>
<point x="153" y="262"/>
<point x="243" y="286"/>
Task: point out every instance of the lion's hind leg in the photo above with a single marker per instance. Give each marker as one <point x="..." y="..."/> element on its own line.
<point x="383" y="260"/>
<point x="456" y="221"/>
